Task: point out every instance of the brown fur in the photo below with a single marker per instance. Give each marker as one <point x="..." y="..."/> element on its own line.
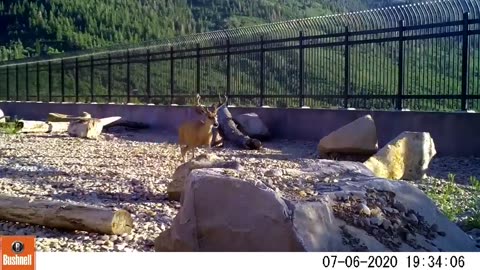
<point x="193" y="134"/>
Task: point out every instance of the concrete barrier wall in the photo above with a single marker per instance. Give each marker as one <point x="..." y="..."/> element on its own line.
<point x="455" y="134"/>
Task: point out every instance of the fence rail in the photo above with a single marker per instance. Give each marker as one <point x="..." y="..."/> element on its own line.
<point x="421" y="57"/>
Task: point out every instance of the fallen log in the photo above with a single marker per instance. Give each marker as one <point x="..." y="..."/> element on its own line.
<point x="89" y="128"/>
<point x="66" y="216"/>
<point x="59" y="117"/>
<point x="230" y="132"/>
<point x="29" y="126"/>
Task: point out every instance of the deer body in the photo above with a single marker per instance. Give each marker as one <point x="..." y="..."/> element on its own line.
<point x="197" y="133"/>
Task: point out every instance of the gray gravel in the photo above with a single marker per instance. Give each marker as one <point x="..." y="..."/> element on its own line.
<point x="130" y="171"/>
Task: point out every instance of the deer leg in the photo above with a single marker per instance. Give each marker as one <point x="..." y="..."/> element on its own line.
<point x="183" y="151"/>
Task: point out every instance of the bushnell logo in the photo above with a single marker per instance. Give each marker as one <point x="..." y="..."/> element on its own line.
<point x="18" y="247"/>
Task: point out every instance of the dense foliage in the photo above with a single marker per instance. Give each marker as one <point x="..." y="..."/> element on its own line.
<point x="29" y="28"/>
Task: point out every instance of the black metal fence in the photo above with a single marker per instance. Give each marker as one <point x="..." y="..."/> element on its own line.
<point x="422" y="57"/>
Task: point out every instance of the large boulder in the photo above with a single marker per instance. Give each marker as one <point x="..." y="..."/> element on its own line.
<point x="176" y="186"/>
<point x="250" y="124"/>
<point x="356" y="212"/>
<point x="357" y="137"/>
<point x="405" y="157"/>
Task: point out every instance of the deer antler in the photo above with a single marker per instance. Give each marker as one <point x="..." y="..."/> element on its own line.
<point x="200" y="108"/>
<point x="220" y="103"/>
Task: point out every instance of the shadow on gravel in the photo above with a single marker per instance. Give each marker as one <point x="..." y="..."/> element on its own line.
<point x="149" y="136"/>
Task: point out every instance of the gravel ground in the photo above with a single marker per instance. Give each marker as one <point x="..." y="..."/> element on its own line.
<point x="131" y="171"/>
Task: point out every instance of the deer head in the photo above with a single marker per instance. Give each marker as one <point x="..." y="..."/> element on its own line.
<point x="211" y="115"/>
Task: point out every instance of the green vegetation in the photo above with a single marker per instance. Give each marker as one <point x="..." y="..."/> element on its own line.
<point x="9" y="127"/>
<point x="450" y="198"/>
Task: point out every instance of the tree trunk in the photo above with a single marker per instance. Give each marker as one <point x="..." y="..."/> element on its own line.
<point x="59" y="117"/>
<point x="62" y="215"/>
<point x="28" y="126"/>
<point x="230" y="132"/>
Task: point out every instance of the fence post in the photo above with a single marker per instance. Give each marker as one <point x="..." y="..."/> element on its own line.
<point x="109" y="79"/>
<point x="346" y="90"/>
<point x="228" y="67"/>
<point x="49" y="81"/>
<point x="262" y="71"/>
<point x="38" y="81"/>
<point x="62" y="62"/>
<point x="198" y="69"/>
<point x="128" y="76"/>
<point x="92" y="95"/>
<point x="149" y="90"/>
<point x="8" y="83"/>
<point x="77" y="86"/>
<point x="465" y="57"/>
<point x="172" y="66"/>
<point x="16" y="83"/>
<point x="301" y="70"/>
<point x="401" y="67"/>
<point x="26" y="82"/>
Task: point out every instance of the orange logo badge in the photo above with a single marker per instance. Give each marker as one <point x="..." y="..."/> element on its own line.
<point x="18" y="252"/>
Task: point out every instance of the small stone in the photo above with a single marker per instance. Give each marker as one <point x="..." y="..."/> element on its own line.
<point x="99" y="242"/>
<point x="302" y="193"/>
<point x="357" y="195"/>
<point x="274" y="173"/>
<point x="413" y="218"/>
<point x="390" y="210"/>
<point x="376" y="212"/>
<point x="409" y="237"/>
<point x="129" y="238"/>
<point x="364" y="209"/>
<point x="376" y="221"/>
<point x="387" y="224"/>
<point x="114" y="237"/>
<point x="105" y="237"/>
<point x="399" y="206"/>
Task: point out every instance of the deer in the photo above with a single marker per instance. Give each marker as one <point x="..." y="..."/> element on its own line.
<point x="198" y="133"/>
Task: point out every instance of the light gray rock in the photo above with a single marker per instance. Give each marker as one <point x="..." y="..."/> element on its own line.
<point x="223" y="213"/>
<point x="251" y="125"/>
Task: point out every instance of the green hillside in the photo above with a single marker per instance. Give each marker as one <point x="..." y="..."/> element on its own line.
<point x="30" y="28"/>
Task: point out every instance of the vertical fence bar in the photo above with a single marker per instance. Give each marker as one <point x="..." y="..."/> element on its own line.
<point x="49" y="81"/>
<point x="465" y="57"/>
<point x="228" y="67"/>
<point x="16" y="83"/>
<point x="401" y="66"/>
<point x="8" y="83"/>
<point x="198" y="68"/>
<point x="301" y="70"/>
<point x="262" y="71"/>
<point x="346" y="90"/>
<point x="92" y="96"/>
<point x="62" y="62"/>
<point x="128" y="76"/>
<point x="38" y="81"/>
<point x="77" y="86"/>
<point x="109" y="78"/>
<point x="172" y="66"/>
<point x="149" y="89"/>
<point x="27" y="94"/>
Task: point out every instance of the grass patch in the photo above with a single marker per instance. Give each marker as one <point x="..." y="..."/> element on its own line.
<point x="10" y="127"/>
<point x="449" y="197"/>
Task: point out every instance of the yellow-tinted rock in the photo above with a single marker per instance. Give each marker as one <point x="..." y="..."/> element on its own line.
<point x="357" y="137"/>
<point x="405" y="157"/>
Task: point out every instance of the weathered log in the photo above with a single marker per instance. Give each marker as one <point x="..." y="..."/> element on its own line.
<point x="66" y="216"/>
<point x="59" y="117"/>
<point x="89" y="128"/>
<point x="231" y="133"/>
<point x="29" y="126"/>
